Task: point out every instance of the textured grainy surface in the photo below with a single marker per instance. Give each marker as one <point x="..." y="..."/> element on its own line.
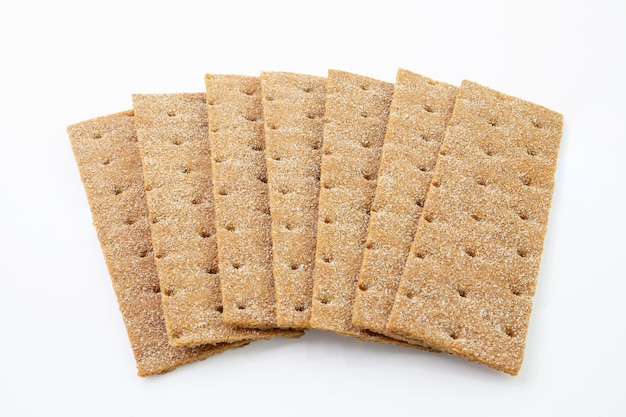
<point x="470" y="277"/>
<point x="356" y="113"/>
<point x="173" y="137"/>
<point x="110" y="167"/>
<point x="293" y="109"/>
<point x="242" y="210"/>
<point x="420" y="110"/>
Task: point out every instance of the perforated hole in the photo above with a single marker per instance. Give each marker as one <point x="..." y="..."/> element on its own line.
<point x="299" y="309"/>
<point x="424" y="168"/>
<point x="365" y="143"/>
<point x="283" y="189"/>
<point x="117" y="190"/>
<point x="516" y="290"/>
<point x="262" y="177"/>
<point x="328" y="220"/>
<point x="155" y="220"/>
<point x="294" y="266"/>
<point x="160" y="255"/>
<point x="259" y="147"/>
<point x="510" y="331"/>
<point x="429" y="217"/>
<point x="129" y="221"/>
<point x="454" y="335"/>
<point x="526" y="180"/>
<point x="410" y="295"/>
<point x="371" y="245"/>
<point x="219" y="309"/>
<point x="436" y="183"/>
<point x="522" y="253"/>
<point x="288" y="226"/>
<point x="476" y="217"/>
<point x="97" y="135"/>
<point x="420" y="254"/>
<point x="176" y="141"/>
<point x="143" y="253"/>
<point x="241" y="307"/>
<point x="537" y="124"/>
<point x="272" y="125"/>
<point x="204" y="234"/>
<point x="365" y="87"/>
<point x="482" y="182"/>
<point x="311" y="116"/>
<point x="426" y="137"/>
<point x="471" y="252"/>
<point x="214" y="129"/>
<point x="488" y="152"/>
<point x="222" y="191"/>
<point x="364" y="115"/>
<point x="326" y="258"/>
<point x="236" y="265"/>
<point x="106" y="161"/>
<point x="328" y="185"/>
<point x="307" y="88"/>
<point x="419" y="202"/>
<point x="248" y="91"/>
<point x="168" y="292"/>
<point x="185" y="170"/>
<point x="230" y="227"/>
<point x="369" y="177"/>
<point x="443" y="152"/>
<point x="428" y="108"/>
<point x="212" y="270"/>
<point x="523" y="215"/>
<point x="324" y="300"/>
<point x="462" y="292"/>
<point x="531" y="151"/>
<point x="277" y="157"/>
<point x="492" y="122"/>
<point x="316" y="146"/>
<point x="363" y="286"/>
<point x="171" y="113"/>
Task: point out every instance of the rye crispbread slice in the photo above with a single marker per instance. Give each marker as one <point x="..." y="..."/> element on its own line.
<point x="420" y="110"/>
<point x="470" y="278"/>
<point x="110" y="167"/>
<point x="293" y="110"/>
<point x="172" y="132"/>
<point x="242" y="213"/>
<point x="356" y="113"/>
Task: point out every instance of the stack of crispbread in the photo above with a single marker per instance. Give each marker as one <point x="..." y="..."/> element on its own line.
<point x="411" y="213"/>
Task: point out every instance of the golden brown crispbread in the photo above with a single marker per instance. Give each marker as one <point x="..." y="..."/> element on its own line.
<point x="110" y="167"/>
<point x="420" y="110"/>
<point x="356" y="114"/>
<point x="172" y="132"/>
<point x="293" y="110"/>
<point x="468" y="283"/>
<point x="242" y="211"/>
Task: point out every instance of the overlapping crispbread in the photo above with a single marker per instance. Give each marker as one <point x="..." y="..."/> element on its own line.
<point x="469" y="281"/>
<point x="110" y="167"/>
<point x="420" y="110"/>
<point x="356" y="113"/>
<point x="242" y="212"/>
<point x="172" y="132"/>
<point x="293" y="110"/>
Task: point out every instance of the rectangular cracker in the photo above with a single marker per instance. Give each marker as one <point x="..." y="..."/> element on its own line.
<point x="108" y="161"/>
<point x="469" y="280"/>
<point x="356" y="113"/>
<point x="420" y="110"/>
<point x="173" y="137"/>
<point x="293" y="110"/>
<point x="242" y="213"/>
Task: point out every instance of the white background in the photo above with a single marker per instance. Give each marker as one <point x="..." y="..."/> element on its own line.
<point x="63" y="347"/>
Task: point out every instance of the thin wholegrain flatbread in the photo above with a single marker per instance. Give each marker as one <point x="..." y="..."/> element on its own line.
<point x="470" y="278"/>
<point x="356" y="113"/>
<point x="242" y="213"/>
<point x="293" y="111"/>
<point x="420" y="110"/>
<point x="172" y="133"/>
<point x="108" y="160"/>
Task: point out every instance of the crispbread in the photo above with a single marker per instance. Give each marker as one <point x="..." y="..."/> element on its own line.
<point x="469" y="280"/>
<point x="356" y="114"/>
<point x="110" y="167"/>
<point x="420" y="110"/>
<point x="242" y="213"/>
<point x="293" y="110"/>
<point x="172" y="133"/>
